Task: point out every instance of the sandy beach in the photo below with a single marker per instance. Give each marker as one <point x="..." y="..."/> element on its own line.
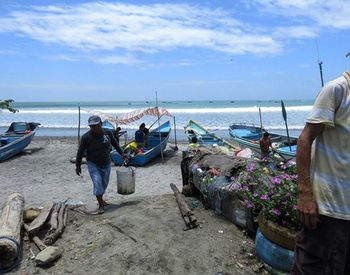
<point x="138" y="234"/>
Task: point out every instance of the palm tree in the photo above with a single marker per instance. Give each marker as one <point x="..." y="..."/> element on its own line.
<point x="6" y="104"/>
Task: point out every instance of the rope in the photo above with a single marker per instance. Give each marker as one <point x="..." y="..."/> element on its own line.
<point x="18" y="255"/>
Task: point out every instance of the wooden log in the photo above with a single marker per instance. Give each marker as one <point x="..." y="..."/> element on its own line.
<point x="39" y="222"/>
<point x="187" y="214"/>
<point x="54" y="217"/>
<point x="53" y="236"/>
<point x="11" y="220"/>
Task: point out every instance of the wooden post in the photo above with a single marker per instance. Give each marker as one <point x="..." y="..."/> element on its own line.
<point x="79" y="126"/>
<point x="160" y="137"/>
<point x="187" y="214"/>
<point x="11" y="220"/>
<point x="261" y="123"/>
<point x="176" y="148"/>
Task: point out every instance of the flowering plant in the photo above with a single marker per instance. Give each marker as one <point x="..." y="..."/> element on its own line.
<point x="272" y="192"/>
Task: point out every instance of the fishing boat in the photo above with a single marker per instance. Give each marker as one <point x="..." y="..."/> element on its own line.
<point x="204" y="137"/>
<point x="16" y="138"/>
<point x="248" y="136"/>
<point x="157" y="142"/>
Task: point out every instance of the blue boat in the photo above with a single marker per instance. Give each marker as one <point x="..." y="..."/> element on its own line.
<point x="16" y="138"/>
<point x="248" y="136"/>
<point x="157" y="142"/>
<point x="204" y="137"/>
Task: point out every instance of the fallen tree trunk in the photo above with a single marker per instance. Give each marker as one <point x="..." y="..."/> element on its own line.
<point x="11" y="220"/>
<point x="62" y="219"/>
<point x="187" y="214"/>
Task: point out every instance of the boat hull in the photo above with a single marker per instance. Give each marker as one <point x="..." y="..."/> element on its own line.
<point x="204" y="137"/>
<point x="14" y="144"/>
<point x="157" y="140"/>
<point x="248" y="136"/>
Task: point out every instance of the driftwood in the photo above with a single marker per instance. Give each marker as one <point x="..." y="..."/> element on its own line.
<point x="47" y="254"/>
<point x="61" y="220"/>
<point x="54" y="217"/>
<point x="40" y="221"/>
<point x="187" y="214"/>
<point x="11" y="220"/>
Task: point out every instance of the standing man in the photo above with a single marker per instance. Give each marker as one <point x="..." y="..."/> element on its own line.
<point x="323" y="166"/>
<point x="97" y="143"/>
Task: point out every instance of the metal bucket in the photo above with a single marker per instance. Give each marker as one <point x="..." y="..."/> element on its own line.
<point x="125" y="180"/>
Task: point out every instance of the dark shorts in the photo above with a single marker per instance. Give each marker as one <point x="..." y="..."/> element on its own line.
<point x="325" y="250"/>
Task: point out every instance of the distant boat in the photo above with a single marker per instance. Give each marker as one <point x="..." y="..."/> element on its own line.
<point x="232" y="101"/>
<point x="16" y="138"/>
<point x="248" y="136"/>
<point x="157" y="142"/>
<point x="189" y="101"/>
<point x="204" y="137"/>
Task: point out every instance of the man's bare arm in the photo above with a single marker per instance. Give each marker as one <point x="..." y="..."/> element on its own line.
<point x="307" y="207"/>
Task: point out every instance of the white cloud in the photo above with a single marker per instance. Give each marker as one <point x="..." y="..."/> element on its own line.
<point x="297" y="32"/>
<point x="324" y="13"/>
<point x="127" y="28"/>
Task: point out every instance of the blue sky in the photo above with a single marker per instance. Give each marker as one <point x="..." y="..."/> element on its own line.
<point x="193" y="50"/>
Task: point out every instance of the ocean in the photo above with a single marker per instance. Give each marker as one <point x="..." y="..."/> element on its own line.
<point x="61" y="118"/>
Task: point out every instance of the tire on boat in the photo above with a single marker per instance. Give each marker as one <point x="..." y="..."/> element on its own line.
<point x="272" y="254"/>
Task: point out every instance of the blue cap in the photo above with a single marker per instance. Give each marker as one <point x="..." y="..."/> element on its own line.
<point x="94" y="120"/>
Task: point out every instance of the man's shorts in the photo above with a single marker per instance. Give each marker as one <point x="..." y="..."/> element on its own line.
<point x="99" y="177"/>
<point x="325" y="250"/>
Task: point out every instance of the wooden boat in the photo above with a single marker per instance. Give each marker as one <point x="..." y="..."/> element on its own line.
<point x="16" y="138"/>
<point x="157" y="142"/>
<point x="204" y="137"/>
<point x="248" y="136"/>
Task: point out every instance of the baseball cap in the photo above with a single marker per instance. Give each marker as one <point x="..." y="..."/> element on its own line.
<point x="94" y="120"/>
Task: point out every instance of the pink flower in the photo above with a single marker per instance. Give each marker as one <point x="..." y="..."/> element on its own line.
<point x="276" y="212"/>
<point x="286" y="177"/>
<point x="276" y="180"/>
<point x="264" y="197"/>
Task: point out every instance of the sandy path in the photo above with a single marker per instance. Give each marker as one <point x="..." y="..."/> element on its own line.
<point x="138" y="234"/>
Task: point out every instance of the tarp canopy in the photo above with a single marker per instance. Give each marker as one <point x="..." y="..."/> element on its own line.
<point x="134" y="115"/>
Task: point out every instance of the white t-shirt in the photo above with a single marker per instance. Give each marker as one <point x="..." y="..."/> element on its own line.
<point x="330" y="159"/>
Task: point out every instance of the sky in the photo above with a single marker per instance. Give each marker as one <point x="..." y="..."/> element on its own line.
<point x="185" y="50"/>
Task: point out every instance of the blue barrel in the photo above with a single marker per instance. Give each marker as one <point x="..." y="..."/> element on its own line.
<point x="274" y="255"/>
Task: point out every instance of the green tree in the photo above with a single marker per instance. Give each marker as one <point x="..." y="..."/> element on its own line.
<point x="6" y="104"/>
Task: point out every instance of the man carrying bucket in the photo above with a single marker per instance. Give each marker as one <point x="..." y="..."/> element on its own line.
<point x="97" y="143"/>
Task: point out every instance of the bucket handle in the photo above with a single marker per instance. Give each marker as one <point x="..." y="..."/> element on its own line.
<point x="132" y="170"/>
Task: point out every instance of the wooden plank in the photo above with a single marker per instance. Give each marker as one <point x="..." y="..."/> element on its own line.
<point x="39" y="222"/>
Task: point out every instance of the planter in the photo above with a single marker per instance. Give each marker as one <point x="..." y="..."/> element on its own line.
<point x="272" y="254"/>
<point x="277" y="234"/>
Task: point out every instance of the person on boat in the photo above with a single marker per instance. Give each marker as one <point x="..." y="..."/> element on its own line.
<point x="145" y="131"/>
<point x="117" y="133"/>
<point x="265" y="144"/>
<point x="141" y="136"/>
<point x="323" y="157"/>
<point x="97" y="144"/>
<point x="193" y="143"/>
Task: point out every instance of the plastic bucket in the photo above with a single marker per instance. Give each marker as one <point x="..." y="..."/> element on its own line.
<point x="126" y="180"/>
